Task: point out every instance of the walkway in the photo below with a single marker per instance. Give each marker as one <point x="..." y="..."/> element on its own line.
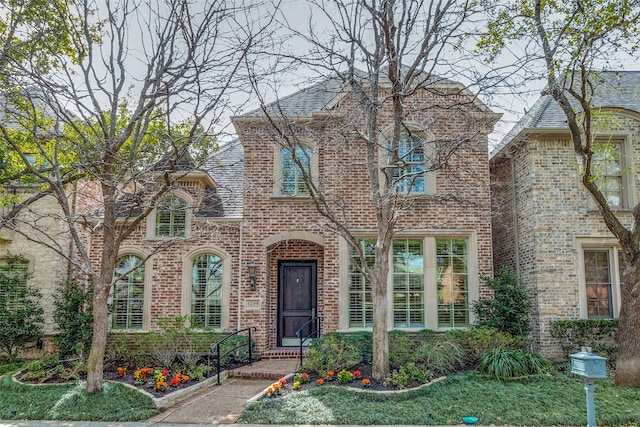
<point x="224" y="403"/>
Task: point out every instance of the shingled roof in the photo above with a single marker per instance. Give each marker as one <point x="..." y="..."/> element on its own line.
<point x="226" y="167"/>
<point x="321" y="95"/>
<point x="614" y="89"/>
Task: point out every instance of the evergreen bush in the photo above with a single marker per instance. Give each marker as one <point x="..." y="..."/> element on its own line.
<point x="510" y="307"/>
<point x="73" y="315"/>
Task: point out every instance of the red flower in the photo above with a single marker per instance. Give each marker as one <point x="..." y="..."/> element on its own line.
<point x="175" y="381"/>
<point x="356" y="373"/>
<point x="282" y="381"/>
<point x="165" y="372"/>
<point x="143" y="375"/>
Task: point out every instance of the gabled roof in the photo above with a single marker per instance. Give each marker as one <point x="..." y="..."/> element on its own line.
<point x="614" y="89"/>
<point x="324" y="94"/>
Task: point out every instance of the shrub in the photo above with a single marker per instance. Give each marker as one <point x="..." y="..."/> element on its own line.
<point x="599" y="334"/>
<point x="362" y="340"/>
<point x="441" y="353"/>
<point x="409" y="372"/>
<point x="331" y="352"/>
<point x="505" y="364"/>
<point x="401" y="348"/>
<point x="510" y="307"/>
<point x="477" y="340"/>
<point x="73" y="315"/>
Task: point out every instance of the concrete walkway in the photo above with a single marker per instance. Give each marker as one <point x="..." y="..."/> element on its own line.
<point x="224" y="403"/>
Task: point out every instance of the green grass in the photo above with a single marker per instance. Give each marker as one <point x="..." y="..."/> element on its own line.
<point x="547" y="401"/>
<point x="70" y="402"/>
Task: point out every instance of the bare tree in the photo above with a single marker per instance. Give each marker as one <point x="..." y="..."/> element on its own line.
<point x="567" y="44"/>
<point x="383" y="55"/>
<point x="105" y="127"/>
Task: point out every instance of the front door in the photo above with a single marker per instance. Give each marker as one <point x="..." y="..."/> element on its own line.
<point x="296" y="299"/>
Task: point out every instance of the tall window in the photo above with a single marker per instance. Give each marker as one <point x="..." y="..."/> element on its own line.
<point x="453" y="282"/>
<point x="408" y="283"/>
<point x="14" y="272"/>
<point x="409" y="174"/>
<point x="608" y="172"/>
<point x="360" y="297"/>
<point x="292" y="180"/>
<point x="171" y="216"/>
<point x="412" y="286"/>
<point x="598" y="282"/>
<point x="128" y="293"/>
<point x="206" y="291"/>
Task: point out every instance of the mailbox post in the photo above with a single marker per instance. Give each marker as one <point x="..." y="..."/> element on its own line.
<point x="590" y="367"/>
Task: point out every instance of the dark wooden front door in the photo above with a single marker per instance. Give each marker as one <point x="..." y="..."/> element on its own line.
<point x="296" y="299"/>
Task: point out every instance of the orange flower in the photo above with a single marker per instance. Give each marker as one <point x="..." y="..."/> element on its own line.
<point x="276" y="386"/>
<point x="270" y="390"/>
<point x="282" y="381"/>
<point x="366" y="382"/>
<point x="320" y="381"/>
<point x="184" y="378"/>
<point x="161" y="386"/>
<point x="330" y="373"/>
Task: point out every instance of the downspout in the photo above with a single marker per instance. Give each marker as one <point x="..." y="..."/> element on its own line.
<point x="516" y="227"/>
<point x="240" y="264"/>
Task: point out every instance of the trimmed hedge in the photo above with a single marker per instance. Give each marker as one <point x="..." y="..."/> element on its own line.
<point x="599" y="334"/>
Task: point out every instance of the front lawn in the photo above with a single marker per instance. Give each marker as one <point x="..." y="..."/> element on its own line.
<point x="69" y="402"/>
<point x="545" y="401"/>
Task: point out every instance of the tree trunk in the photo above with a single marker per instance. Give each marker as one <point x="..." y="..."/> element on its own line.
<point x="95" y="363"/>
<point x="628" y="363"/>
<point x="380" y="368"/>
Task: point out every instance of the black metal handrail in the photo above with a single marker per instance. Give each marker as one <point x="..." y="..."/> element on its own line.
<point x="315" y="333"/>
<point x="215" y="348"/>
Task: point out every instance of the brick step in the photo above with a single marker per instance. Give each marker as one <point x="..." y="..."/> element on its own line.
<point x="282" y="353"/>
<point x="270" y="369"/>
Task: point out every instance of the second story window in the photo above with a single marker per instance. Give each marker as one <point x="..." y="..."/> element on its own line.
<point x="607" y="170"/>
<point x="409" y="173"/>
<point x="292" y="179"/>
<point x="171" y="217"/>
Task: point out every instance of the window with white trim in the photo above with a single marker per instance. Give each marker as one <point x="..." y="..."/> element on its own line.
<point x="408" y="283"/>
<point x="291" y="175"/>
<point x="206" y="291"/>
<point x="453" y="282"/>
<point x="171" y="217"/>
<point x="409" y="171"/>
<point x="128" y="293"/>
<point x="412" y="285"/>
<point x="360" y="297"/>
<point x="602" y="271"/>
<point x="607" y="169"/>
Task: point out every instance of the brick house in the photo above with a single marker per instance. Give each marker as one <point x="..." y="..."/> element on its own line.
<point x="546" y="225"/>
<point x="265" y="219"/>
<point x="248" y="210"/>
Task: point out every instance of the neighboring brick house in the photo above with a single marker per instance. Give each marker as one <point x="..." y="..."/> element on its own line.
<point x="247" y="207"/>
<point x="546" y="225"/>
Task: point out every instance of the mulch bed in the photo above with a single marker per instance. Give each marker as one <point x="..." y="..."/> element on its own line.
<point x="365" y="372"/>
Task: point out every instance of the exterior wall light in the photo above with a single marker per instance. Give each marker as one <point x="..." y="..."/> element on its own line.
<point x="251" y="269"/>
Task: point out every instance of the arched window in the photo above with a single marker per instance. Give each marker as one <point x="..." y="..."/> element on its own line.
<point x="292" y="178"/>
<point x="171" y="217"/>
<point x="206" y="291"/>
<point x="128" y="293"/>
